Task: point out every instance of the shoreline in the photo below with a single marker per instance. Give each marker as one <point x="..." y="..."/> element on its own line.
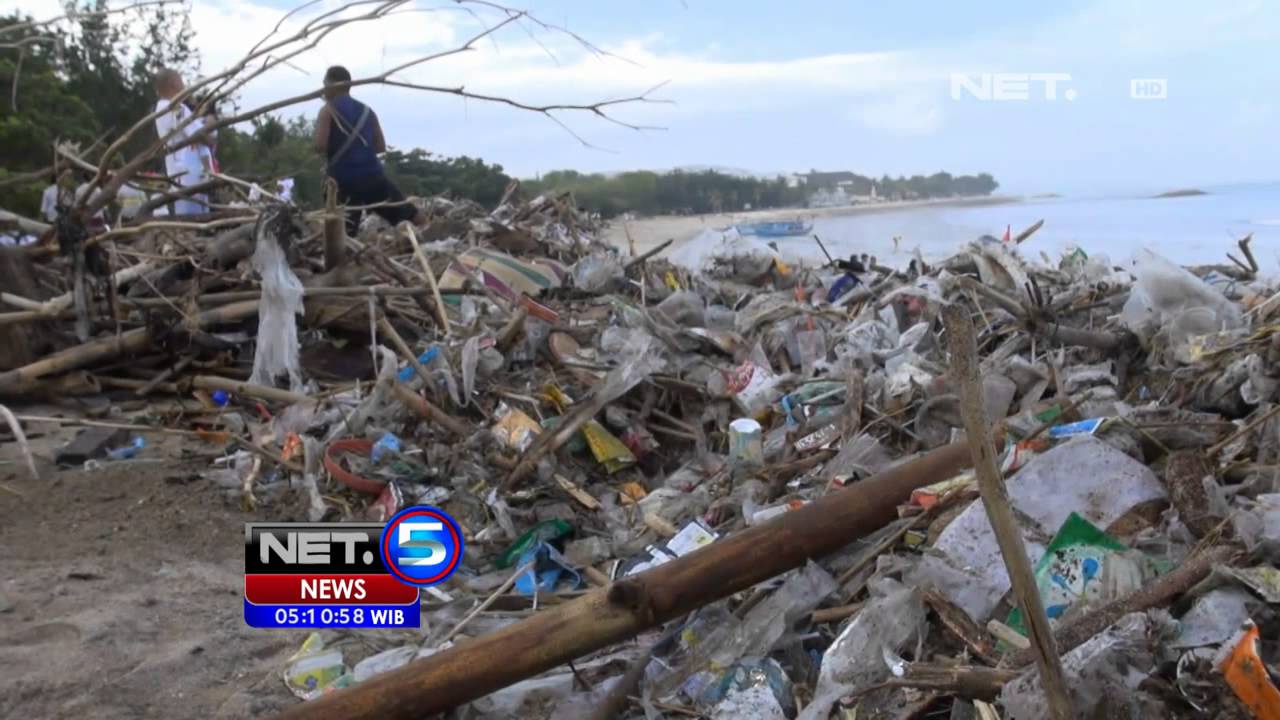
<point x="649" y="232"/>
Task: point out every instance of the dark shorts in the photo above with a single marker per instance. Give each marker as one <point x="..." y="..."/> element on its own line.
<point x="373" y="190"/>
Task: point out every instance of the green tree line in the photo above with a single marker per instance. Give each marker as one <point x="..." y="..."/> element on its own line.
<point x="680" y="192"/>
<point x="81" y="83"/>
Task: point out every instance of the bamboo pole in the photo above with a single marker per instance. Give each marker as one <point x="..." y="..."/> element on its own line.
<point x="259" y="392"/>
<point x="995" y="498"/>
<point x="407" y="230"/>
<point x="609" y="615"/>
<point x="108" y="347"/>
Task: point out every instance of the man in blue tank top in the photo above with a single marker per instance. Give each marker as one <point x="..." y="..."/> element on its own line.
<point x="349" y="136"/>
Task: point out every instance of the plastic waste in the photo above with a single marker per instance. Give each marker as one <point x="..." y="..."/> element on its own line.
<point x="547" y="567"/>
<point x="220" y="397"/>
<point x="691" y="537"/>
<point x="514" y="428"/>
<point x="860" y="457"/>
<point x="407" y="373"/>
<point x="1214" y="619"/>
<point x="543" y="532"/>
<point x="128" y="451"/>
<point x="315" y="669"/>
<point x="1083" y="475"/>
<point x="597" y="273"/>
<point x="892" y="619"/>
<point x="1166" y="294"/>
<point x="277" y="349"/>
<point x="746" y="443"/>
<point x="1102" y="676"/>
<point x="756" y="635"/>
<point x="751" y="689"/>
<point x="684" y="308"/>
<point x="812" y="350"/>
<point x="383" y="662"/>
<point x="607" y="449"/>
<point x="1082" y="427"/>
<point x="1084" y="567"/>
<point x="1245" y="672"/>
<point x="387" y="448"/>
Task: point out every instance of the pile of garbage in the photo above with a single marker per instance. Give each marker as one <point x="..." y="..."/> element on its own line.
<point x="739" y="486"/>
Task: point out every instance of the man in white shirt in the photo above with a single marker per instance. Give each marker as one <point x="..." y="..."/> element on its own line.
<point x="183" y="165"/>
<point x="58" y="192"/>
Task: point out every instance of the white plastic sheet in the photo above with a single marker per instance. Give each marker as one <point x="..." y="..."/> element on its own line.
<point x="281" y="303"/>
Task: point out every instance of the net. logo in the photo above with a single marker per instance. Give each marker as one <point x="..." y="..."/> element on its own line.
<point x="421" y="546"/>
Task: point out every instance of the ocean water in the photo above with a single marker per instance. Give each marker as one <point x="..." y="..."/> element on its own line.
<point x="1188" y="230"/>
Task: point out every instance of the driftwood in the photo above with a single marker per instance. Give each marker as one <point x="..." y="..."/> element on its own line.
<point x="74" y="384"/>
<point x="599" y="618"/>
<point x="995" y="498"/>
<point x="109" y="347"/>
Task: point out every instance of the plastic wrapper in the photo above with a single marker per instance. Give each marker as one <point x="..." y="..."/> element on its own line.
<point x="892" y="619"/>
<point x="684" y="308"/>
<point x="755" y="635"/>
<point x="315" y="669"/>
<point x="1084" y="567"/>
<point x="641" y="358"/>
<point x="1214" y="619"/>
<point x="812" y="346"/>
<point x="597" y="273"/>
<point x="277" y="349"/>
<point x="470" y="359"/>
<point x="383" y="662"/>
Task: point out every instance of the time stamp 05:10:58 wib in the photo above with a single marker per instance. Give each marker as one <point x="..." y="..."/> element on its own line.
<point x="341" y="616"/>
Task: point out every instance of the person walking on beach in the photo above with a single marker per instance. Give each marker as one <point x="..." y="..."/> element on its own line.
<point x="350" y="138"/>
<point x="183" y="165"/>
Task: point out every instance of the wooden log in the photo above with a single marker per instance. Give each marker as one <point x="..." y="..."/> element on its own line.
<point x="605" y="616"/>
<point x="995" y="498"/>
<point x="108" y="347"/>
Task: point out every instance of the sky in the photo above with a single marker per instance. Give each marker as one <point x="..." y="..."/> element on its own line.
<point x="766" y="86"/>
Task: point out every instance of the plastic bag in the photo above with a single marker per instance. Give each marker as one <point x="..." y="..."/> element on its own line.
<point x="1166" y="294"/>
<point x="277" y="351"/>
<point x="891" y="620"/>
<point x="597" y="273"/>
<point x="1101" y="675"/>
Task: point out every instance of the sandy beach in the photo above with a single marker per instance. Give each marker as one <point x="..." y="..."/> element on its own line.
<point x="648" y="232"/>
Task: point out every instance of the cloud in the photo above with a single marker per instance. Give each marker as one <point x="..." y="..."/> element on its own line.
<point x="909" y="114"/>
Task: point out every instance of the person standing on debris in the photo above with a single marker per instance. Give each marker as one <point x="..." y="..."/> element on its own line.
<point x="350" y="138"/>
<point x="183" y="165"/>
<point x="59" y="193"/>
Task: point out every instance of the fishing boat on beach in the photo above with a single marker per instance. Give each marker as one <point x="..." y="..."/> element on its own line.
<point x="786" y="228"/>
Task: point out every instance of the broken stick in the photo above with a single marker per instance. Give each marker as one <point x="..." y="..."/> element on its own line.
<point x="995" y="498"/>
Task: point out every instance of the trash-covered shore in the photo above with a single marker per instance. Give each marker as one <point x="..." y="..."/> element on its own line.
<point x="718" y="484"/>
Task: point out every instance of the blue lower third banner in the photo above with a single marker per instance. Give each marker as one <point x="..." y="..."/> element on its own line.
<point x="332" y="616"/>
